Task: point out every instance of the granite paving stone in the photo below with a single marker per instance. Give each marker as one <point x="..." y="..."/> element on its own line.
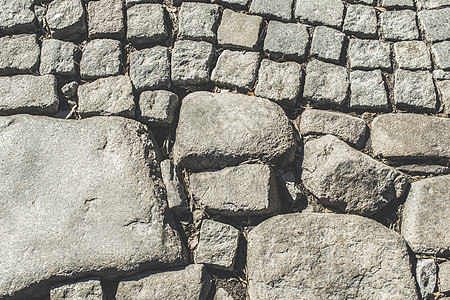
<point x="414" y="90"/>
<point x="157" y="108"/>
<point x="59" y="58"/>
<point x="66" y="19"/>
<point x="397" y="4"/>
<point x="323" y="12"/>
<point x="278" y="9"/>
<point x="19" y="54"/>
<point x="101" y="58"/>
<point x="327" y="44"/>
<point x="150" y="68"/>
<point x="360" y="20"/>
<point x="441" y="55"/>
<point x="16" y="16"/>
<point x="88" y="289"/>
<point x="198" y="21"/>
<point x="146" y="24"/>
<point x="399" y="25"/>
<point x="369" y="54"/>
<point x="443" y="88"/>
<point x="287" y="39"/>
<point x="106" y="19"/>
<point x="412" y="55"/>
<point x="436" y="24"/>
<point x="368" y="91"/>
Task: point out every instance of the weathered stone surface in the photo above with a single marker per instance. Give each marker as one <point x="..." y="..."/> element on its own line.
<point x="443" y="88"/>
<point x="345" y="127"/>
<point x="425" y="223"/>
<point x="16" y="16"/>
<point x="19" y="54"/>
<point x="288" y="39"/>
<point x="279" y="9"/>
<point x="101" y="58"/>
<point x="412" y="55"/>
<point x="398" y="3"/>
<point x="89" y="289"/>
<point x="221" y="294"/>
<point x="236" y="69"/>
<point x="399" y="25"/>
<point x="302" y="256"/>
<point x="234" y="128"/>
<point x="360" y="20"/>
<point x="327" y="44"/>
<point x="133" y="2"/>
<point x="111" y="96"/>
<point x="218" y="245"/>
<point x="441" y="55"/>
<point x="113" y="221"/>
<point x="441" y="75"/>
<point x="150" y="68"/>
<point x="191" y="282"/>
<point x="368" y="2"/>
<point x="176" y="195"/>
<point x="444" y="276"/>
<point x="233" y="3"/>
<point x="238" y="30"/>
<point x="436" y="24"/>
<point x="369" y="54"/>
<point x="324" y="12"/>
<point x="58" y="58"/>
<point x="198" y="21"/>
<point x="426" y="274"/>
<point x="288" y="184"/>
<point x="367" y="90"/>
<point x="418" y="169"/>
<point x="28" y="94"/>
<point x="105" y="19"/>
<point x="325" y="83"/>
<point x="146" y="24"/>
<point x="157" y="108"/>
<point x="244" y="190"/>
<point x="344" y="178"/>
<point x="415" y="90"/>
<point x="430" y="4"/>
<point x="69" y="90"/>
<point x="66" y="19"/>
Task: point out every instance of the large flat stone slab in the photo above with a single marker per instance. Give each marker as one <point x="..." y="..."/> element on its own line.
<point x="327" y="256"/>
<point x="76" y="198"/>
<point x="226" y="129"/>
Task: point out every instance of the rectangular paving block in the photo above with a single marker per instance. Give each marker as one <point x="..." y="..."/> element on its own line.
<point x="368" y="91"/>
<point x="399" y="25"/>
<point x="327" y="44"/>
<point x="16" y="16"/>
<point x="66" y="19"/>
<point x="278" y="9"/>
<point x="435" y="23"/>
<point x="146" y="24"/>
<point x="360" y="20"/>
<point x="443" y="88"/>
<point x="412" y="55"/>
<point x="19" y="54"/>
<point x="88" y="289"/>
<point x="59" y="58"/>
<point x="441" y="55"/>
<point x="287" y="39"/>
<point x="369" y="54"/>
<point x="414" y="90"/>
<point x="157" y="108"/>
<point x="322" y="12"/>
<point x="101" y="58"/>
<point x="198" y="21"/>
<point x="106" y="19"/>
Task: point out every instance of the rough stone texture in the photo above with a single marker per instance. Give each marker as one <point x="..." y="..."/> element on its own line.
<point x="430" y="4"/>
<point x="368" y="2"/>
<point x="441" y="75"/>
<point x="426" y="274"/>
<point x="66" y="19"/>
<point x="436" y="24"/>
<point x="327" y="44"/>
<point x="302" y="256"/>
<point x="150" y="68"/>
<point x="289" y="185"/>
<point x="113" y="221"/>
<point x="16" y="16"/>
<point x="367" y="90"/>
<point x="345" y="127"/>
<point x="191" y="62"/>
<point x="133" y="2"/>
<point x="279" y="9"/>
<point x="369" y="54"/>
<point x="244" y="190"/>
<point x="236" y="69"/>
<point x="411" y="135"/>
<point x="412" y="55"/>
<point x="441" y="55"/>
<point x="324" y="12"/>
<point x="191" y="282"/>
<point x="419" y="169"/>
<point x="176" y="195"/>
<point x="198" y="21"/>
<point x="279" y="82"/>
<point x="444" y="276"/>
<point x="425" y="223"/>
<point x="234" y="128"/>
<point x="221" y="294"/>
<point x="89" y="289"/>
<point x="111" y="96"/>
<point x="234" y="3"/>
<point x="28" y="94"/>
<point x="105" y="19"/>
<point x="218" y="245"/>
<point x="399" y="25"/>
<point x="360" y="20"/>
<point x="287" y="39"/>
<point x="19" y="54"/>
<point x="158" y="108"/>
<point x="443" y="88"/>
<point x="238" y="30"/>
<point x="398" y="3"/>
<point x="101" y="58"/>
<point x="69" y="90"/>
<point x="415" y="90"/>
<point x="146" y="24"/>
<point x="325" y="83"/>
<point x="58" y="58"/>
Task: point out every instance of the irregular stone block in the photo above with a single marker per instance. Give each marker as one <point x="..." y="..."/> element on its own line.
<point x="289" y="185"/>
<point x="234" y="128"/>
<point x="221" y="294"/>
<point x="369" y="54"/>
<point x="441" y="54"/>
<point x="238" y="30"/>
<point x="245" y="190"/>
<point x="425" y="223"/>
<point x="361" y="20"/>
<point x="398" y="3"/>
<point x="278" y="9"/>
<point x="58" y="58"/>
<point x="66" y="19"/>
<point x="69" y="90"/>
<point x="157" y="108"/>
<point x="327" y="44"/>
<point x="146" y="24"/>
<point x="112" y="223"/>
<point x="327" y="256"/>
<point x="399" y="25"/>
<point x="443" y="88"/>
<point x="101" y="58"/>
<point x="436" y="24"/>
<point x="19" y="54"/>
<point x="412" y="55"/>
<point x="16" y="16"/>
<point x="418" y="169"/>
<point x="218" y="245"/>
<point x="426" y="274"/>
<point x="198" y="21"/>
<point x="415" y="90"/>
<point x="89" y="289"/>
<point x="106" y="19"/>
<point x="176" y="195"/>
<point x="430" y="4"/>
<point x="323" y="12"/>
<point x="444" y="276"/>
<point x="287" y="39"/>
<point x="344" y="178"/>
<point x="368" y="91"/>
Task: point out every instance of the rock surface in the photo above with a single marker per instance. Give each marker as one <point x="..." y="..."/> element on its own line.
<point x="19" y="54"/>
<point x="101" y="58"/>
<point x="444" y="276"/>
<point x="176" y="195"/>
<point x="324" y="12"/>
<point x="198" y="21"/>
<point x="436" y="24"/>
<point x="106" y="19"/>
<point x="368" y="90"/>
<point x="289" y="39"/>
<point x="412" y="55"/>
<point x="414" y="90"/>
<point x="16" y="16"/>
<point x="146" y="24"/>
<point x="426" y="274"/>
<point x="157" y="108"/>
<point x="89" y="289"/>
<point x="327" y="44"/>
<point x="66" y="19"/>
<point x="58" y="58"/>
<point x="369" y="54"/>
<point x="238" y="30"/>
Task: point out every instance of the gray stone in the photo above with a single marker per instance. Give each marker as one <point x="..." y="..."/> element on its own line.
<point x="133" y="2"/>
<point x="431" y="4"/>
<point x="176" y="195"/>
<point x="444" y="276"/>
<point x="415" y="90"/>
<point x="368" y="2"/>
<point x="441" y="55"/>
<point x="217" y="246"/>
<point x="443" y="88"/>
<point x="105" y="19"/>
<point x="198" y="21"/>
<point x="318" y="122"/>
<point x="399" y="25"/>
<point x="238" y="30"/>
<point x="19" y="54"/>
<point x="290" y="187"/>
<point x="278" y="9"/>
<point x="397" y="3"/>
<point x="287" y="39"/>
<point x="16" y="16"/>
<point x="368" y="91"/>
<point x="412" y="55"/>
<point x="221" y="294"/>
<point x="360" y="20"/>
<point x="369" y="54"/>
<point x="245" y="190"/>
<point x="426" y="274"/>
<point x="191" y="282"/>
<point x="325" y="83"/>
<point x="323" y="12"/>
<point x="426" y="213"/>
<point x="327" y="44"/>
<point x="77" y="200"/>
<point x="146" y="24"/>
<point x="69" y="90"/>
<point x="441" y="75"/>
<point x="418" y="169"/>
<point x="233" y="3"/>
<point x="436" y="24"/>
<point x="411" y="136"/>
<point x="58" y="58"/>
<point x="226" y="129"/>
<point x="111" y="96"/>
<point x="191" y="62"/>
<point x="279" y="82"/>
<point x="327" y="256"/>
<point x="40" y="12"/>
<point x="150" y="68"/>
<point x="158" y="108"/>
<point x="88" y="289"/>
<point x="66" y="19"/>
<point x="101" y="58"/>
<point x="28" y="94"/>
<point x="236" y="69"/>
